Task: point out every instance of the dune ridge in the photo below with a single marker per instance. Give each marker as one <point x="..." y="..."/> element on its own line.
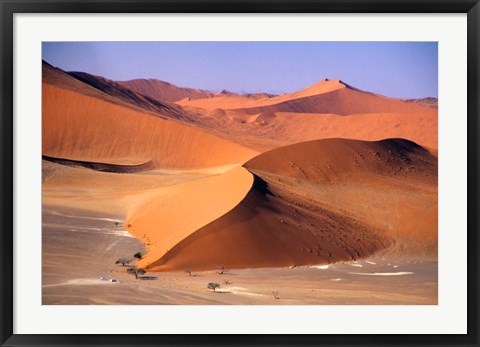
<point x="327" y="96"/>
<point x="164" y="219"/>
<point x="164" y="91"/>
<point x="280" y="223"/>
<point x="84" y="128"/>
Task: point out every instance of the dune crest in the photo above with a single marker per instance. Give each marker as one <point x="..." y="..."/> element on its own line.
<point x="165" y="219"/>
<point x="295" y="213"/>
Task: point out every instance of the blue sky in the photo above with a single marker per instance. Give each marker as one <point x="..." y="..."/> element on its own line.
<point x="395" y="69"/>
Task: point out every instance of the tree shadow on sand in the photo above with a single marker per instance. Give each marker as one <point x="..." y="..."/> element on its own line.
<point x="148" y="278"/>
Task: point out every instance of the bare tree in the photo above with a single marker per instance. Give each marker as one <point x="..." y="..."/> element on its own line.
<point x="275" y="295"/>
<point x="136" y="272"/>
<point x="221" y="270"/>
<point x="123" y="261"/>
<point x="188" y="271"/>
<point x="213" y="286"/>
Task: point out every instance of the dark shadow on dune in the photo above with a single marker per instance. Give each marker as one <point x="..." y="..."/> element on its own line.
<point x="105" y="167"/>
<point x="260" y="186"/>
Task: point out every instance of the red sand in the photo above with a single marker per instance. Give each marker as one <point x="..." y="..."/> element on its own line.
<point x="80" y="127"/>
<point x="285" y="220"/>
<point x="315" y="202"/>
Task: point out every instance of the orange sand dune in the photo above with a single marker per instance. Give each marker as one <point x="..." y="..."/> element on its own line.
<point x="299" y="211"/>
<point x="266" y="131"/>
<point x="331" y="97"/>
<point x="236" y="101"/>
<point x="172" y="214"/>
<point x="84" y="128"/>
<point x="421" y="128"/>
<point x="164" y="91"/>
<point x="328" y="109"/>
<point x="111" y="91"/>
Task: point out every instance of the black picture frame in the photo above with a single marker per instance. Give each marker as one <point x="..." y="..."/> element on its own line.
<point x="9" y="8"/>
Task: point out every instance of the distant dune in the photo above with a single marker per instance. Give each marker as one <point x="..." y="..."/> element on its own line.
<point x="164" y="91"/>
<point x="325" y="110"/>
<point x="84" y="128"/>
<point x="332" y="97"/>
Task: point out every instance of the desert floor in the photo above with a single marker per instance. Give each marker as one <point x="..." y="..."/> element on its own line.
<point x="72" y="275"/>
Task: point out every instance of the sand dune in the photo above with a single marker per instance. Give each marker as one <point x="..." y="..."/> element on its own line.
<point x="331" y="97"/>
<point x="335" y="198"/>
<point x="235" y="101"/>
<point x="164" y="91"/>
<point x="84" y="128"/>
<point x="266" y="131"/>
<point x="171" y="215"/>
<point x="327" y="109"/>
<point x="286" y="219"/>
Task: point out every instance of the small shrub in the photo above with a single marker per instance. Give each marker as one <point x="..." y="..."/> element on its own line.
<point x="138" y="255"/>
<point x="213" y="286"/>
<point x="123" y="261"/>
<point x="136" y="272"/>
<point x="275" y="295"/>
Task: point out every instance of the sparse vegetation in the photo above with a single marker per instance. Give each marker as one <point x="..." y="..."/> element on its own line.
<point x="227" y="282"/>
<point x="138" y="255"/>
<point x="213" y="286"/>
<point x="123" y="261"/>
<point x="275" y="295"/>
<point x="136" y="272"/>
<point x="188" y="271"/>
<point x="221" y="270"/>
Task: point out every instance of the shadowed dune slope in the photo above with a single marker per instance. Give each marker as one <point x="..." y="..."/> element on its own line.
<point x="111" y="91"/>
<point x="226" y="100"/>
<point x="84" y="128"/>
<point x="343" y="101"/>
<point x="302" y="208"/>
<point x="168" y="217"/>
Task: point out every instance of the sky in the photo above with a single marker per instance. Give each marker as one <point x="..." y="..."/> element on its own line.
<point x="394" y="69"/>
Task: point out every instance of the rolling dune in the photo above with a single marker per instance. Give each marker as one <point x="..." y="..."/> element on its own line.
<point x="299" y="212"/>
<point x="312" y="190"/>
<point x="164" y="91"/>
<point x="84" y="128"/>
<point x="168" y="217"/>
<point x="330" y="97"/>
<point x="327" y="109"/>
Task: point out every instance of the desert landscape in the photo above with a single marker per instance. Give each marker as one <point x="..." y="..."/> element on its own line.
<point x="158" y="194"/>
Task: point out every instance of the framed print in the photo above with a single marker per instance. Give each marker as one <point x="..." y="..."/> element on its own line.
<point x="260" y="173"/>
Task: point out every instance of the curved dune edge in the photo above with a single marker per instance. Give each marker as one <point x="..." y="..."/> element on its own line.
<point x="165" y="219"/>
<point x="278" y="223"/>
<point x="85" y="128"/>
<point x="105" y="167"/>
